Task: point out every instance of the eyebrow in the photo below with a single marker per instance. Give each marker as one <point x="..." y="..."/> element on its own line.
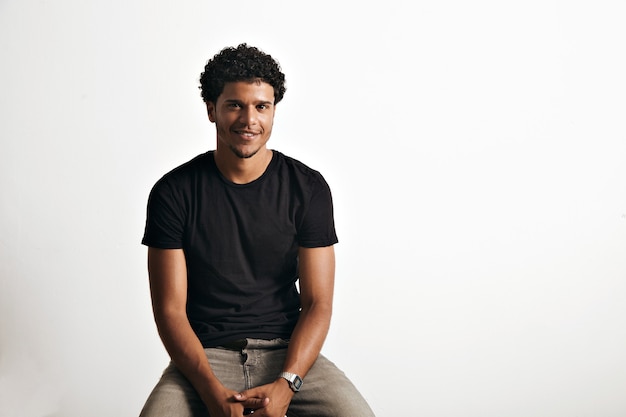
<point x="232" y="100"/>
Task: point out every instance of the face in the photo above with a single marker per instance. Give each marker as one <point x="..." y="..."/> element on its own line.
<point x="243" y="117"/>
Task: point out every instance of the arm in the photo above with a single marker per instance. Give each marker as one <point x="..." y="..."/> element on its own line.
<point x="317" y="279"/>
<point x="168" y="286"/>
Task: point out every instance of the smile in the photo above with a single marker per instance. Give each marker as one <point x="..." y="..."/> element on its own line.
<point x="246" y="134"/>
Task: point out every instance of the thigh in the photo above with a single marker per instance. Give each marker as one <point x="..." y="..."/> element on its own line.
<point x="327" y="392"/>
<point x="174" y="395"/>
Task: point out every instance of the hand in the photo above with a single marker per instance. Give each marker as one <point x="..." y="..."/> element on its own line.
<point x="251" y="404"/>
<point x="274" y="397"/>
<point x="229" y="403"/>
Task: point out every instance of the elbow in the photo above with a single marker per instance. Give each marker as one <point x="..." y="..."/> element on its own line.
<point x="322" y="311"/>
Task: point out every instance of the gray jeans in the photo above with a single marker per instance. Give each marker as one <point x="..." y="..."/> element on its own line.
<point x="326" y="391"/>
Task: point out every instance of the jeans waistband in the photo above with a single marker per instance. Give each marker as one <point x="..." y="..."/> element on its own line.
<point x="249" y="343"/>
<point x="235" y="344"/>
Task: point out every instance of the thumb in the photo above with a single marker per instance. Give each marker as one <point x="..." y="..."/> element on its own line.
<point x="252" y="402"/>
<point x="243" y="396"/>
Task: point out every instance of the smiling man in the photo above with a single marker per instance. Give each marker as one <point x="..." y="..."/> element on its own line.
<point x="230" y="234"/>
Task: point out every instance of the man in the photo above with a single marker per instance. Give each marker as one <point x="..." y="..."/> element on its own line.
<point x="229" y="234"/>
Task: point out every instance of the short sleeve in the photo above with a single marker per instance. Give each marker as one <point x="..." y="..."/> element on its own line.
<point x="318" y="225"/>
<point x="165" y="218"/>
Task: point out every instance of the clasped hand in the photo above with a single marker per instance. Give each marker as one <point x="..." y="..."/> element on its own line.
<point x="270" y="400"/>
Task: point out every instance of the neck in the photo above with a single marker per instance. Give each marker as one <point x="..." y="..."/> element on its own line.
<point x="242" y="170"/>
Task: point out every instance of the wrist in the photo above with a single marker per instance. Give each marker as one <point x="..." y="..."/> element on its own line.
<point x="293" y="380"/>
<point x="213" y="393"/>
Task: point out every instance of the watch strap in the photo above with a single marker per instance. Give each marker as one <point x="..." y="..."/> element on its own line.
<point x="295" y="382"/>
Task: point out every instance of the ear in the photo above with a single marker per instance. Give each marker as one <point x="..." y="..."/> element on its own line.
<point x="210" y="108"/>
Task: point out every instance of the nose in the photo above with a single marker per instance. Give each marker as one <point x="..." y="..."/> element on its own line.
<point x="248" y="115"/>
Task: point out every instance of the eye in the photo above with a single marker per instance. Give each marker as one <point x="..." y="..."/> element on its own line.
<point x="234" y="105"/>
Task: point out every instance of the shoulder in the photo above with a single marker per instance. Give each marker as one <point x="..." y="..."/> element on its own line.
<point x="298" y="168"/>
<point x="179" y="181"/>
<point x="199" y="163"/>
<point x="195" y="167"/>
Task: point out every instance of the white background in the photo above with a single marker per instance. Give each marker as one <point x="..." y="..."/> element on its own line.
<point x="477" y="157"/>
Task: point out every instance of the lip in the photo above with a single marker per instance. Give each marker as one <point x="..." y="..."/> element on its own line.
<point x="247" y="134"/>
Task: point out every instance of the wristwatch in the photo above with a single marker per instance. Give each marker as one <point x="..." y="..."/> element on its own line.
<point x="295" y="382"/>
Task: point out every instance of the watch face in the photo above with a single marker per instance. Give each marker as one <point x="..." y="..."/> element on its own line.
<point x="297" y="382"/>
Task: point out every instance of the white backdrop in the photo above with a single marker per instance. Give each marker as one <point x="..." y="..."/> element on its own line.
<point x="477" y="156"/>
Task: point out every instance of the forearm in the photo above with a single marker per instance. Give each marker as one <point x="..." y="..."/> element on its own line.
<point x="168" y="286"/>
<point x="317" y="272"/>
<point x="188" y="355"/>
<point x="308" y="338"/>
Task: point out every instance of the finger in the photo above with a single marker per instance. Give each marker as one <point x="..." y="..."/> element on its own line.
<point x="243" y="398"/>
<point x="255" y="403"/>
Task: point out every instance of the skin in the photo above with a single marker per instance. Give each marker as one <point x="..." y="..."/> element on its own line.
<point x="244" y="116"/>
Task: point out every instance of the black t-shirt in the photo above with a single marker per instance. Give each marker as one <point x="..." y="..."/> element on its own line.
<point x="241" y="242"/>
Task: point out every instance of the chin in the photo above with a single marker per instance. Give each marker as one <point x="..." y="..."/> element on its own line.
<point x="242" y="154"/>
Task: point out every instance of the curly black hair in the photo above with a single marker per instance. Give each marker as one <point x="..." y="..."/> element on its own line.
<point x="243" y="63"/>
